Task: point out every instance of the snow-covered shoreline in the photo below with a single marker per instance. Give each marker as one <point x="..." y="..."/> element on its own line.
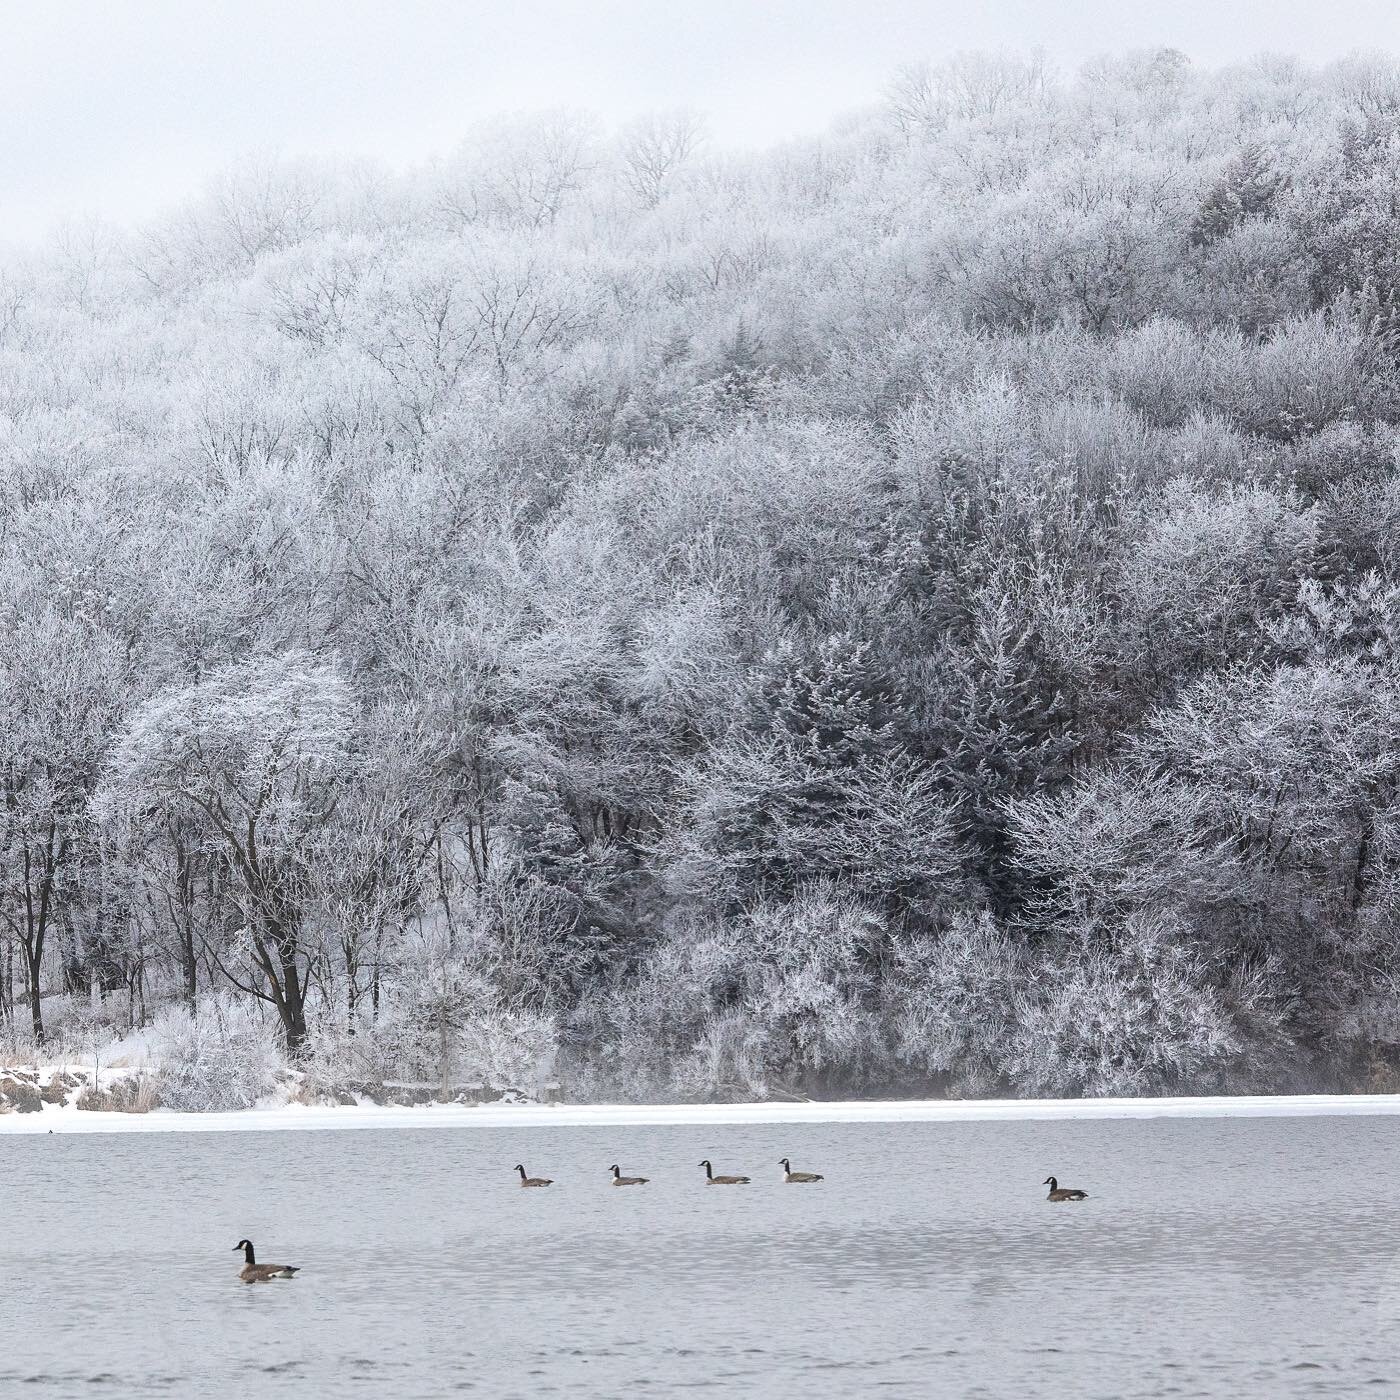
<point x="301" y="1117"/>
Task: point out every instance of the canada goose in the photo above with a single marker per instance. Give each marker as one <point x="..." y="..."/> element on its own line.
<point x="253" y="1272"/>
<point x="712" y="1180"/>
<point x="620" y="1180"/>
<point x="793" y="1178"/>
<point x="532" y="1180"/>
<point x="1063" y="1193"/>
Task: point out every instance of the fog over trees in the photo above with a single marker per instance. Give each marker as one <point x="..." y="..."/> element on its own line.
<point x="916" y="610"/>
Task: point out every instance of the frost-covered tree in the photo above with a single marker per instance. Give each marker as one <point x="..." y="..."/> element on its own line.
<point x="654" y="149"/>
<point x="1245" y="190"/>
<point x="823" y="789"/>
<point x="62" y="689"/>
<point x="1143" y="1017"/>
<point x="258" y="755"/>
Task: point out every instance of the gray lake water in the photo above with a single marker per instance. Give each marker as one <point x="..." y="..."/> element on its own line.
<point x="1253" y="1257"/>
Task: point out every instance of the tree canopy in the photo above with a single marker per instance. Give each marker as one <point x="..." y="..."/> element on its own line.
<point x="605" y="608"/>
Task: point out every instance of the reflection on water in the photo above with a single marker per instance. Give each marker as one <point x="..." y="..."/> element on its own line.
<point x="1214" y="1258"/>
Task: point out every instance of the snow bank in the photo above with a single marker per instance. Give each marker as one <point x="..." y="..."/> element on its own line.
<point x="68" y="1119"/>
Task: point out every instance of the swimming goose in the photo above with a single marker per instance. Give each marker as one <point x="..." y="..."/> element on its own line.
<point x="253" y="1272"/>
<point x="712" y="1180"/>
<point x="1063" y="1193"/>
<point x="793" y="1178"/>
<point x="620" y="1180"/>
<point x="532" y="1180"/>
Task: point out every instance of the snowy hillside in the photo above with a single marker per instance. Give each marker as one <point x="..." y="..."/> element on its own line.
<point x="909" y="612"/>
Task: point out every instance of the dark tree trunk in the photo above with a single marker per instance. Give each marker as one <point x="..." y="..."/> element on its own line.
<point x="293" y="1001"/>
<point x="189" y="967"/>
<point x="32" y="964"/>
<point x="1358" y="879"/>
<point x="35" y="928"/>
<point x="185" y="920"/>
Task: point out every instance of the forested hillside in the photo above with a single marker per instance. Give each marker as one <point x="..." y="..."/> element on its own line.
<point x="915" y="610"/>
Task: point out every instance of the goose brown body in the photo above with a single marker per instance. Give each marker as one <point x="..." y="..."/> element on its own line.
<point x="253" y="1272"/>
<point x="712" y="1180"/>
<point x="796" y="1178"/>
<point x="533" y="1180"/>
<point x="619" y="1180"/>
<point x="1063" y="1193"/>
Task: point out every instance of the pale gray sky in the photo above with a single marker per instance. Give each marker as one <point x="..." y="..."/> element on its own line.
<point x="121" y="107"/>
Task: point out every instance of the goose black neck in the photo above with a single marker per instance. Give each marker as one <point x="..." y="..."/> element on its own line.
<point x="1053" y="1184"/>
<point x="521" y="1170"/>
<point x="616" y="1173"/>
<point x="709" y="1171"/>
<point x="248" y="1252"/>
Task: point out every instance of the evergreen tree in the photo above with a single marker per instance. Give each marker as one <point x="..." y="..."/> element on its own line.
<point x="1248" y="189"/>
